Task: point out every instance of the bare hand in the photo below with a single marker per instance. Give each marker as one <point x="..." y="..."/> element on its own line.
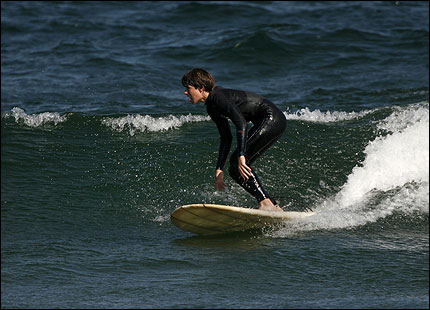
<point x="244" y="170"/>
<point x="219" y="183"/>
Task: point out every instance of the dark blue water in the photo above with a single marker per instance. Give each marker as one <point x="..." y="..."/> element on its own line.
<point x="99" y="146"/>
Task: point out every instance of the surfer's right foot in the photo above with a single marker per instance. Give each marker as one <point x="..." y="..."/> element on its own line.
<point x="268" y="205"/>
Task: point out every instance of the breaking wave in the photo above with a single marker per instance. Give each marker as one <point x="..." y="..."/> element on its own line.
<point x="393" y="178"/>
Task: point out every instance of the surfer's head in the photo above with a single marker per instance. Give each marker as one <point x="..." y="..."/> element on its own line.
<point x="198" y="78"/>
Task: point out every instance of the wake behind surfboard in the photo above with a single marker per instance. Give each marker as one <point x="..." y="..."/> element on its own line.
<point x="209" y="219"/>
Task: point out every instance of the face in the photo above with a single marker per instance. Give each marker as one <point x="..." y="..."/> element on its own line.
<point x="194" y="94"/>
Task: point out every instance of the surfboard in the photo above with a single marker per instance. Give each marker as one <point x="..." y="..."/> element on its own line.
<point x="210" y="219"/>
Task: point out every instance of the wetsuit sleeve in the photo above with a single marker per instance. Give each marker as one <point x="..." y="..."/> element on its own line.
<point x="229" y="109"/>
<point x="226" y="138"/>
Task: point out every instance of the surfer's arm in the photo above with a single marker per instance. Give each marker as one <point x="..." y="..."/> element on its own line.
<point x="225" y="141"/>
<point x="224" y="148"/>
<point x="239" y="121"/>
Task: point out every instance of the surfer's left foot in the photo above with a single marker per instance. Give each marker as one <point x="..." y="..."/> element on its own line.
<point x="268" y="205"/>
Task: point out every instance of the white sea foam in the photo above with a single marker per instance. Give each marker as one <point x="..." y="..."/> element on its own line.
<point x="403" y="118"/>
<point x="394" y="176"/>
<point x="142" y="123"/>
<point x="324" y="117"/>
<point x="36" y="120"/>
<point x="395" y="159"/>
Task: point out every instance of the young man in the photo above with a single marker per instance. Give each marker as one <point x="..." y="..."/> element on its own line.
<point x="240" y="107"/>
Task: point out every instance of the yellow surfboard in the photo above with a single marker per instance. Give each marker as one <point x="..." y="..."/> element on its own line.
<point x="209" y="219"/>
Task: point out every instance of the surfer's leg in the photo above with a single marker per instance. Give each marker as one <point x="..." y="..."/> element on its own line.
<point x="260" y="137"/>
<point x="252" y="185"/>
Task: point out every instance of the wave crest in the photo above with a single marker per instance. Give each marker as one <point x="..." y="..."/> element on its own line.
<point x="142" y="123"/>
<point x="36" y="120"/>
<point x="325" y="117"/>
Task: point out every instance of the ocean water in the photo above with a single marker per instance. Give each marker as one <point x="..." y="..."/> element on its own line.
<point x="99" y="145"/>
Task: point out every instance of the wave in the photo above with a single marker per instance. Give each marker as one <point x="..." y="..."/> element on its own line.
<point x="145" y="123"/>
<point x="325" y="117"/>
<point x="392" y="179"/>
<point x="35" y="120"/>
<point x="142" y="123"/>
<point x="392" y="160"/>
<point x="137" y="123"/>
<point x="131" y="123"/>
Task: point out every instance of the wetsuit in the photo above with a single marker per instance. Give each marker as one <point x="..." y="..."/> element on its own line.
<point x="242" y="107"/>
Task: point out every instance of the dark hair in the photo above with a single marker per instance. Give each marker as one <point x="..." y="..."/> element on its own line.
<point x="198" y="78"/>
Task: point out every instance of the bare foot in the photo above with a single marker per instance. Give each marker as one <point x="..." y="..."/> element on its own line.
<point x="267" y="205"/>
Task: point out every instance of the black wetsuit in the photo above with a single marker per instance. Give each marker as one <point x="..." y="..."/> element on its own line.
<point x="242" y="107"/>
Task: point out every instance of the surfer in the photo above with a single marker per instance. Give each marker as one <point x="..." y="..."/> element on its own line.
<point x="240" y="107"/>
